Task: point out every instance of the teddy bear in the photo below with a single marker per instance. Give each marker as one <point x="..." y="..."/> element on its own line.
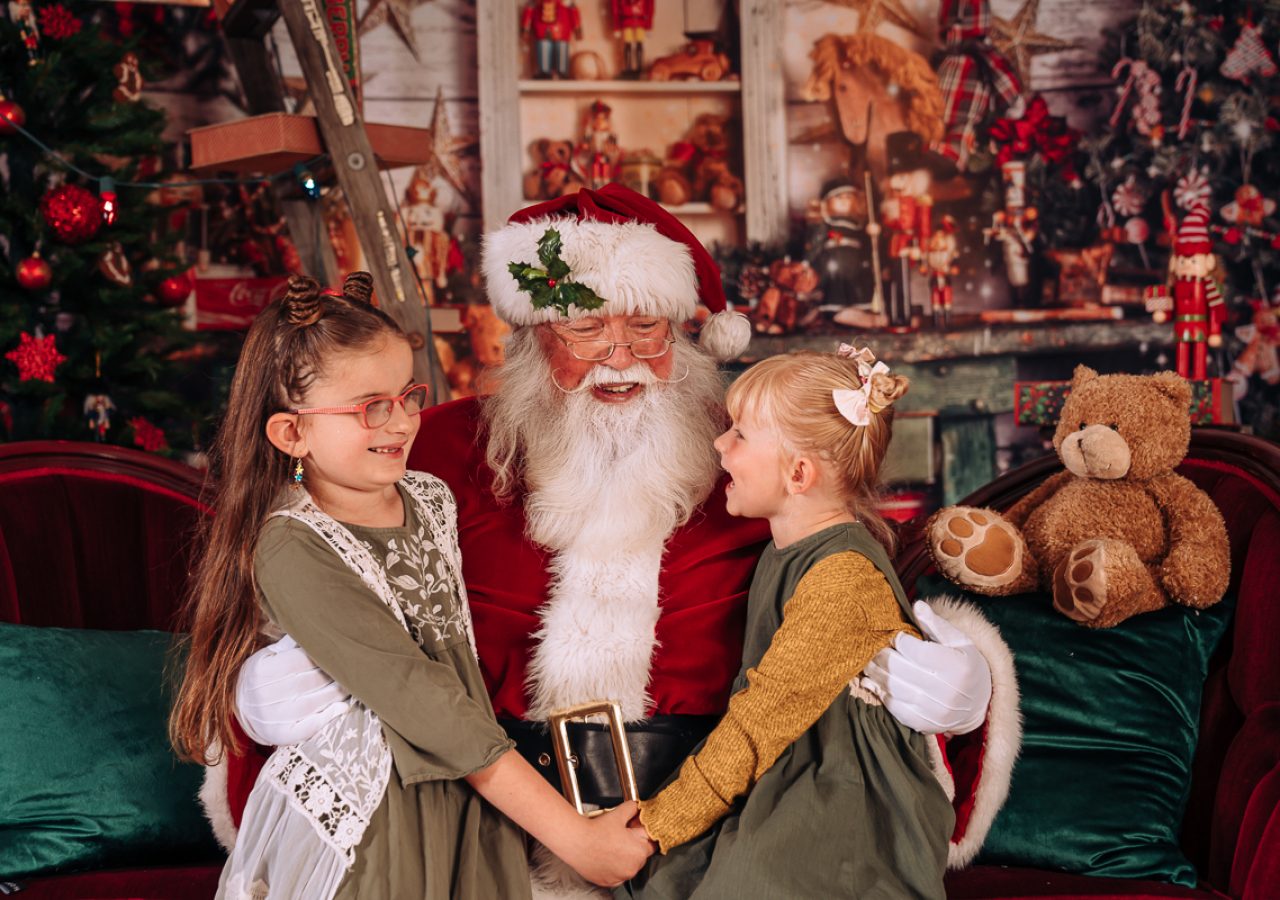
<point x="1118" y="533"/>
<point x="553" y="174"/>
<point x="721" y="188"/>
<point x="792" y="283"/>
<point x="688" y="173"/>
<point x="488" y="349"/>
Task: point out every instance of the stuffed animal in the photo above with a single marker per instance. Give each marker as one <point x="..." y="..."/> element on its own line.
<point x="792" y="283"/>
<point x="721" y="188"/>
<point x="1116" y="534"/>
<point x="685" y="176"/>
<point x="488" y="348"/>
<point x="1259" y="357"/>
<point x="552" y="174"/>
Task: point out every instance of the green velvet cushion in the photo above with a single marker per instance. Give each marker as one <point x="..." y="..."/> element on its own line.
<point x="1111" y="721"/>
<point x="87" y="777"/>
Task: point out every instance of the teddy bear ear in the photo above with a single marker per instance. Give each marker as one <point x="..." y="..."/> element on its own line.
<point x="1173" y="386"/>
<point x="1081" y="375"/>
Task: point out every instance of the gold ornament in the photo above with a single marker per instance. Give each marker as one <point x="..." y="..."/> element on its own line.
<point x="1019" y="41"/>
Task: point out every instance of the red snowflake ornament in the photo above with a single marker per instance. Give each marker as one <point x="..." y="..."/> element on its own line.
<point x="147" y="436"/>
<point x="36" y="358"/>
<point x="58" y="23"/>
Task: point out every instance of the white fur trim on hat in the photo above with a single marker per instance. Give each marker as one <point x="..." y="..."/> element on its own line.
<point x="630" y="265"/>
<point x="1004" y="726"/>
<point x="725" y="335"/>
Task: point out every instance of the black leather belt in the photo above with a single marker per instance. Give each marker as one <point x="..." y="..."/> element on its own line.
<point x="658" y="746"/>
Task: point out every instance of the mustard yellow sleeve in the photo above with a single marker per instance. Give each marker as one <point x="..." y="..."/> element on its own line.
<point x="842" y="613"/>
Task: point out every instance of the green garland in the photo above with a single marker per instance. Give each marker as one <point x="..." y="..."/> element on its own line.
<point x="548" y="286"/>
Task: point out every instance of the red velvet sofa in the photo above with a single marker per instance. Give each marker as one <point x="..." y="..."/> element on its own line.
<point x="99" y="537"/>
<point x="1231" y="828"/>
<point x="119" y="521"/>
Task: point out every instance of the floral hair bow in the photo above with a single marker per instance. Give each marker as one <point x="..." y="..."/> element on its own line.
<point x="855" y="404"/>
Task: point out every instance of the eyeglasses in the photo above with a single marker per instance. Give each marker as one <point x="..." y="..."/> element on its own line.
<point x="599" y="351"/>
<point x="376" y="412"/>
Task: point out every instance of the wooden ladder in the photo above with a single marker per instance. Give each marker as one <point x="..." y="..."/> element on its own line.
<point x="246" y="24"/>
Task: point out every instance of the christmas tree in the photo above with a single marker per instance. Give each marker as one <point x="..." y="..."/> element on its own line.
<point x="93" y="346"/>
<point x="1197" y="87"/>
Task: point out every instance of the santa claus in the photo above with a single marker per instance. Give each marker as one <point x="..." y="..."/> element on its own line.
<point x="600" y="563"/>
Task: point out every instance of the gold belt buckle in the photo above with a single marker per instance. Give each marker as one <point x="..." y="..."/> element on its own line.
<point x="559" y="721"/>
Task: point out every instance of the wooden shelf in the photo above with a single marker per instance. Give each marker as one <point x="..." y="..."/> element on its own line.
<point x="701" y="209"/>
<point x="533" y="86"/>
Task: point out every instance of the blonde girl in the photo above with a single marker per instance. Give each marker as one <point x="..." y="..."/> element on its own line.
<point x="807" y="787"/>
<point x="320" y="532"/>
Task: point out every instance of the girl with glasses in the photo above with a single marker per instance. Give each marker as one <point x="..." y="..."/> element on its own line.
<point x="414" y="790"/>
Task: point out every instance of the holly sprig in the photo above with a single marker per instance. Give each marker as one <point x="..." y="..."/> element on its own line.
<point x="549" y="286"/>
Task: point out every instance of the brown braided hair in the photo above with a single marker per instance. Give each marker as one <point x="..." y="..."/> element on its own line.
<point x="287" y="348"/>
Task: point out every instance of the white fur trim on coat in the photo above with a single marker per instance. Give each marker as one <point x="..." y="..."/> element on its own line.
<point x="598" y="632"/>
<point x="1004" y="725"/>
<point x="630" y="265"/>
<point x="217" y="806"/>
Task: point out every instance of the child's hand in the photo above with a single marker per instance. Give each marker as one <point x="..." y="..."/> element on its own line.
<point x="611" y="850"/>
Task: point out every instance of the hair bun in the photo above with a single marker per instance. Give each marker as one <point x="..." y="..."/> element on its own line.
<point x="359" y="287"/>
<point x="302" y="303"/>
<point x="886" y="389"/>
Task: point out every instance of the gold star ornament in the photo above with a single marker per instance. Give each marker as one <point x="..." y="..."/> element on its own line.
<point x="1019" y="42"/>
<point x="398" y="13"/>
<point x="872" y="12"/>
<point x="445" y="149"/>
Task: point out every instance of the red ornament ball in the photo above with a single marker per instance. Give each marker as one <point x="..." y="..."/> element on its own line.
<point x="175" y="289"/>
<point x="72" y="213"/>
<point x="11" y="114"/>
<point x="34" y="273"/>
<point x="1232" y="236"/>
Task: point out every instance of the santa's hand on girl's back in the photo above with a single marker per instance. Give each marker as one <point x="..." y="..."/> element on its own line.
<point x="282" y="697"/>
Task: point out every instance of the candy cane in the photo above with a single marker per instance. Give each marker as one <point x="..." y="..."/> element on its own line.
<point x="1124" y="91"/>
<point x="1188" y="77"/>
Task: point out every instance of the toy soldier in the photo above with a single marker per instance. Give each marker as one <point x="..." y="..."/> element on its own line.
<point x="550" y="23"/>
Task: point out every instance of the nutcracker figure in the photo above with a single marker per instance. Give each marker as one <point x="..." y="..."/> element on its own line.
<point x="427" y="233"/>
<point x="598" y="152"/>
<point x="1016" y="227"/>
<point x="838" y="248"/>
<point x="631" y="19"/>
<point x="908" y="215"/>
<point x="1197" y="303"/>
<point x="940" y="266"/>
<point x="549" y="24"/>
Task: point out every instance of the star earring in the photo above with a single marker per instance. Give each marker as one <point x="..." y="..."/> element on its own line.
<point x="297" y="475"/>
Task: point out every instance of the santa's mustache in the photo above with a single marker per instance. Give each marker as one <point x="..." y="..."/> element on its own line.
<point x="603" y="376"/>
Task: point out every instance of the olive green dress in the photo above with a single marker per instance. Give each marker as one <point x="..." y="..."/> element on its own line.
<point x="849" y="809"/>
<point x="432" y="836"/>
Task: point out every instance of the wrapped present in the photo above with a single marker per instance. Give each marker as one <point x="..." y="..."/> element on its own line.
<point x="1039" y="403"/>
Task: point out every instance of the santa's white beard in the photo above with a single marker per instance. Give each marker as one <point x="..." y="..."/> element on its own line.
<point x="606" y="484"/>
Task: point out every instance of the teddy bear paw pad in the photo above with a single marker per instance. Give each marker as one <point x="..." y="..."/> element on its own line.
<point x="1079" y="584"/>
<point x="977" y="546"/>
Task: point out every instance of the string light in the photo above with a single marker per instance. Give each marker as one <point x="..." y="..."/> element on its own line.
<point x="307" y="181"/>
<point x="149" y="185"/>
<point x="107" y="191"/>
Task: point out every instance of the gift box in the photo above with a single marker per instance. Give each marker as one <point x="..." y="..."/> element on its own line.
<point x="230" y="304"/>
<point x="275" y="142"/>
<point x="1039" y="403"/>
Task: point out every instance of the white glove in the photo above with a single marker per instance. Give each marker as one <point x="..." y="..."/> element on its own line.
<point x="939" y="686"/>
<point x="282" y="697"/>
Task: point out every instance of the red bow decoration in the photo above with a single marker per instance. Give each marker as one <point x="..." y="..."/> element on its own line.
<point x="1036" y="132"/>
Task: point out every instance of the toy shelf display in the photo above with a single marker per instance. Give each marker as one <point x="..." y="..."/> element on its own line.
<point x="669" y="113"/>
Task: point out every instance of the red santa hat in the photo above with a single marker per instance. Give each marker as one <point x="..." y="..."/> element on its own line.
<point x="1193" y="232"/>
<point x="630" y="251"/>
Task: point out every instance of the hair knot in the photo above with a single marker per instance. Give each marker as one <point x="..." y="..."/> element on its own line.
<point x="303" y="303"/>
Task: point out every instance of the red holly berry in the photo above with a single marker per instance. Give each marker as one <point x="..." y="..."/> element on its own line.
<point x="551" y="282"/>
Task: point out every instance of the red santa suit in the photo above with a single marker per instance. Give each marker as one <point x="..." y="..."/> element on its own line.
<point x="695" y="610"/>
